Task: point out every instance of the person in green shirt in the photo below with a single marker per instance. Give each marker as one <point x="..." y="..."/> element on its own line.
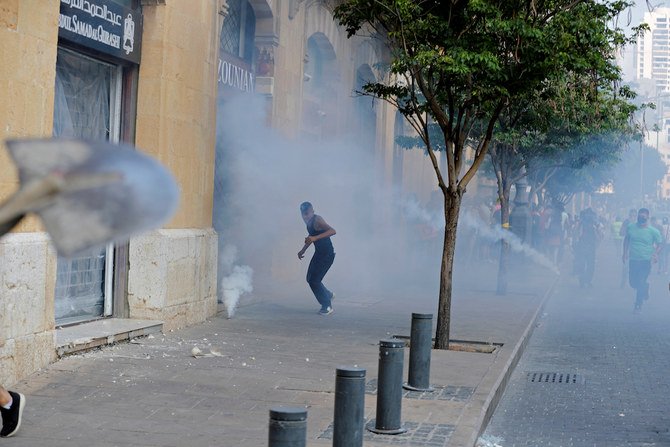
<point x="632" y="217"/>
<point x="641" y="246"/>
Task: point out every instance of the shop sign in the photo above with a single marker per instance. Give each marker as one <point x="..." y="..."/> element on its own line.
<point x="102" y="25"/>
<point x="235" y="73"/>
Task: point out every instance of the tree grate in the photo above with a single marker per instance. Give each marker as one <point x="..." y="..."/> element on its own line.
<point x="417" y="434"/>
<point x="555" y="377"/>
<point x="450" y="393"/>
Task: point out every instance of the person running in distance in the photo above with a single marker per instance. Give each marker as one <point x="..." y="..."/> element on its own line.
<point x="11" y="409"/>
<point x="324" y="255"/>
<point x="632" y="216"/>
<point x="641" y="246"/>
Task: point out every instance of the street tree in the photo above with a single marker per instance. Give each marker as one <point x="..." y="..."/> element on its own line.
<point x="577" y="120"/>
<point x="460" y="63"/>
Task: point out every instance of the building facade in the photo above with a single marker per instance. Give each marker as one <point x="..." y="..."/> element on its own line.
<point x="159" y="74"/>
<point x="293" y="56"/>
<point x="652" y="72"/>
<point x="119" y="70"/>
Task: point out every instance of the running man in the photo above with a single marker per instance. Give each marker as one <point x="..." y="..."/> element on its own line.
<point x="324" y="255"/>
<point x="640" y="248"/>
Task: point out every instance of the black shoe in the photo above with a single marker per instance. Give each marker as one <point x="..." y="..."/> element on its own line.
<point x="11" y="419"/>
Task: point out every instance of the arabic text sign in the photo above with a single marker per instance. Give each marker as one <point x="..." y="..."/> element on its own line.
<point x="102" y="25"/>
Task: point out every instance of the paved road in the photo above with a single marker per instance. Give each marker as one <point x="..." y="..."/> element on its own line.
<point x="280" y="352"/>
<point x="621" y="393"/>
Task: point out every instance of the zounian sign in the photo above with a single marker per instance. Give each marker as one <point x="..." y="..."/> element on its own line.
<point x="235" y="73"/>
<point x="102" y="25"/>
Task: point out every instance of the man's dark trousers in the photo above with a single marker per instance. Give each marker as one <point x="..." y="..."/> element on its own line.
<point x="318" y="267"/>
<point x="638" y="272"/>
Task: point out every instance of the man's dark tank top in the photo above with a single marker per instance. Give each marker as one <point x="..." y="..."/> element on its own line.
<point x="322" y="246"/>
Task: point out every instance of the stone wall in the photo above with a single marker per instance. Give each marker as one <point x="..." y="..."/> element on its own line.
<point x="28" y="36"/>
<point x="172" y="276"/>
<point x="176" y="106"/>
<point x="27" y="282"/>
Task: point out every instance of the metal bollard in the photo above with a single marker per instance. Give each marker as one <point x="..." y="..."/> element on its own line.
<point x="349" y="418"/>
<point x="420" y="345"/>
<point x="288" y="427"/>
<point x="389" y="388"/>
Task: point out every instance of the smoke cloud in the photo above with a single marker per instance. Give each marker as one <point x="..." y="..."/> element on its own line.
<point x="388" y="244"/>
<point x="237" y="279"/>
<point x="262" y="177"/>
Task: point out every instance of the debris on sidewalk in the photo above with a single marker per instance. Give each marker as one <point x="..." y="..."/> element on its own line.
<point x="197" y="353"/>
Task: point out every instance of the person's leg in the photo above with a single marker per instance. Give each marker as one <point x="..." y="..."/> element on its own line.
<point x="319" y="268"/>
<point x="5" y="397"/>
<point x="590" y="266"/>
<point x="11" y="410"/>
<point x="634" y="280"/>
<point x="312" y="274"/>
<point x="645" y="271"/>
<point x="624" y="270"/>
<point x="624" y="273"/>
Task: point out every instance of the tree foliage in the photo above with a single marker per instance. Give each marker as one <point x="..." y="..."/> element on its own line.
<point x="459" y="64"/>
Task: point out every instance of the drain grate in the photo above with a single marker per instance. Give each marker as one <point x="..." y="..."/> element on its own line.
<point x="555" y="377"/>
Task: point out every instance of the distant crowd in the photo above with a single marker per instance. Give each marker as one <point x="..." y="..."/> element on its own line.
<point x="552" y="231"/>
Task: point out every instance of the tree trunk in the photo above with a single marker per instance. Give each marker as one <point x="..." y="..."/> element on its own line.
<point x="503" y="262"/>
<point x="452" y="205"/>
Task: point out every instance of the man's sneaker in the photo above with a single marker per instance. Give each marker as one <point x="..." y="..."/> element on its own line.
<point x="327" y="311"/>
<point x="11" y="419"/>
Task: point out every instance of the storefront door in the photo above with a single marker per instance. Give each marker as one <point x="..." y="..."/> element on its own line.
<point x="86" y="105"/>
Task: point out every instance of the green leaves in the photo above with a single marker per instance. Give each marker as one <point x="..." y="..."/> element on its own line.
<point x="467" y="56"/>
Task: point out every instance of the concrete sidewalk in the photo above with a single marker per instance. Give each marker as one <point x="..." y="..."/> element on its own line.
<point x="279" y="352"/>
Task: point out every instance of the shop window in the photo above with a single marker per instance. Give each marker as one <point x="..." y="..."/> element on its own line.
<point x="87" y="99"/>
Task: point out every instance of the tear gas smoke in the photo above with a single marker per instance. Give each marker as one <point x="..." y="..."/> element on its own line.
<point x="262" y="177"/>
<point x="415" y="211"/>
<point x="237" y="279"/>
<point x="496" y="233"/>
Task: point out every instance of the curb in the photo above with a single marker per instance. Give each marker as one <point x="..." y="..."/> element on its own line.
<point x="498" y="388"/>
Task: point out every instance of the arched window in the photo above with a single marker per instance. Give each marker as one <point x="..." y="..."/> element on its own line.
<point x="313" y="66"/>
<point x="238" y="30"/>
<point x="365" y="112"/>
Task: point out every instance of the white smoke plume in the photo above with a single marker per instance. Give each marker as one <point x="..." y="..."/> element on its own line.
<point x="237" y="279"/>
<point x="496" y="233"/>
<point x="413" y="210"/>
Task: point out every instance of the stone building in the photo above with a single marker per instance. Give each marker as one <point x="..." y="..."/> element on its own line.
<point x="121" y="71"/>
<point x="295" y="57"/>
<point x="158" y="74"/>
